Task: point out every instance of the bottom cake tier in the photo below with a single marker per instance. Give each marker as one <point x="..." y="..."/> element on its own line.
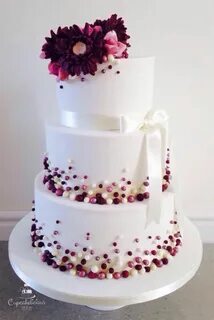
<point x="101" y="241"/>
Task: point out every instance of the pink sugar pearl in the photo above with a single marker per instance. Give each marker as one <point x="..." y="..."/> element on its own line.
<point x="93" y="200"/>
<point x="138" y="259"/>
<point x="131" y="198"/>
<point x="131" y="264"/>
<point x="81" y="274"/>
<point x="109" y="189"/>
<point x="101" y="275"/>
<point x="123" y="188"/>
<point x="116" y="275"/>
<point x="84" y="187"/>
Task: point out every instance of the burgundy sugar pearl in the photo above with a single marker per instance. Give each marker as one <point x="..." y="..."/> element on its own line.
<point x="165" y="241"/>
<point x="147" y="269"/>
<point x="125" y="273"/>
<point x="117" y="72"/>
<point x="110" y="66"/>
<point x="169" y="248"/>
<point x="57" y="221"/>
<point x="146" y="183"/>
<point x="117" y="251"/>
<point x="74" y="176"/>
<point x="97" y="258"/>
<point x="146" y="195"/>
<point x="129" y="253"/>
<point x="69" y="168"/>
<point x="157" y="262"/>
<point x="130" y="264"/>
<point x="116" y="194"/>
<point x="101" y="201"/>
<point x="103" y="265"/>
<point x="55" y="242"/>
<point x="165" y="261"/>
<point x="146" y="262"/>
<point x="111" y="270"/>
<point x="153" y="252"/>
<point x="114" y="244"/>
<point x="64" y="259"/>
<point x="73" y="253"/>
<point x="103" y="70"/>
<point x="76" y="188"/>
<point x="108" y="260"/>
<point x="167" y="161"/>
<point x="168" y="171"/>
<point x="79" y="198"/>
<point x="70" y="266"/>
<point x="164" y="187"/>
<point x="92" y="275"/>
<point x="100" y="185"/>
<point x="67" y="251"/>
<point x="41" y="244"/>
<point x="146" y="252"/>
<point x="92" y="252"/>
<point x="62" y="268"/>
<point x="116" y="201"/>
<point x="138" y="267"/>
<point x="138" y="259"/>
<point x="83" y="261"/>
<point x="128" y="182"/>
<point x="67" y="177"/>
<point x="85" y="177"/>
<point x="84" y="249"/>
<point x="158" y="246"/>
<point x="105" y="256"/>
<point x="82" y="79"/>
<point x="79" y="267"/>
<point x="178" y="242"/>
<point x="56" y="233"/>
<point x="136" y="240"/>
<point x="140" y="197"/>
<point x="49" y="244"/>
<point x="61" y="87"/>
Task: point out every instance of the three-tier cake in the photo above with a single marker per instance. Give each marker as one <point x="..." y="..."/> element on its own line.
<point x="104" y="205"/>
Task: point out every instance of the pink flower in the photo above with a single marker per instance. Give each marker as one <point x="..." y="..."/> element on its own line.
<point x="42" y="55"/>
<point x="53" y="68"/>
<point x="113" y="46"/>
<point x="62" y="75"/>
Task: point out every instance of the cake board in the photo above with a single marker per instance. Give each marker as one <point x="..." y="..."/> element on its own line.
<point x="103" y="294"/>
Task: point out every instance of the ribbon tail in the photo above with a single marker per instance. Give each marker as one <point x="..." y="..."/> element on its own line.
<point x="154" y="163"/>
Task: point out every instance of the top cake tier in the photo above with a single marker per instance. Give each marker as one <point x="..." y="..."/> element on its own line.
<point x="124" y="87"/>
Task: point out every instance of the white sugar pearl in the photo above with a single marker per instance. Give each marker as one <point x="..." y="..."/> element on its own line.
<point x="142" y="271"/>
<point x="69" y="161"/>
<point x="94" y="185"/>
<point x="142" y="188"/>
<point x="111" y="58"/>
<point x="109" y="276"/>
<point x="36" y="243"/>
<point x="87" y="199"/>
<point x="153" y="267"/>
<point x="87" y="257"/>
<point x="73" y="77"/>
<point x="57" y="185"/>
<point x="56" y="179"/>
<point x="160" y="253"/>
<point x="109" y="201"/>
<point x="38" y="232"/>
<point x="65" y="194"/>
<point x="104" y="195"/>
<point x="79" y="254"/>
<point x="124" y="200"/>
<point x="73" y="272"/>
<point x="134" y="190"/>
<point x="58" y="262"/>
<point x="54" y="252"/>
<point x="72" y="196"/>
<point x="94" y="269"/>
<point x="105" y="182"/>
<point x="133" y="272"/>
<point x="73" y="259"/>
<point x="90" y="192"/>
<point x="82" y="180"/>
<point x="119" y="185"/>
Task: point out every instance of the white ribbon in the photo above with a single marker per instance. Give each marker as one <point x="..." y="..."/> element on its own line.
<point x="155" y="127"/>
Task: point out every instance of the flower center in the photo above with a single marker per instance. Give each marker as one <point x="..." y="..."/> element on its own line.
<point x="79" y="48"/>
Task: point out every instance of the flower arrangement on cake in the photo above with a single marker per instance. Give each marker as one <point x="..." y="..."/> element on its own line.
<point x="75" y="51"/>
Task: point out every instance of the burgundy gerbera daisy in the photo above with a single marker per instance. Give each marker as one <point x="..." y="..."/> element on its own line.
<point x="75" y="50"/>
<point x="116" y="24"/>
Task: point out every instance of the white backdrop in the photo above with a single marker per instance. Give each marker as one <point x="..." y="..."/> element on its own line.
<point x="181" y="36"/>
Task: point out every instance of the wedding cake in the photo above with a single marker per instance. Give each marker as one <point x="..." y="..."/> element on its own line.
<point x="104" y="204"/>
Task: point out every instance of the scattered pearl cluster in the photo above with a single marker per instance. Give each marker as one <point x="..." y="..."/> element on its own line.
<point x="85" y="262"/>
<point x="69" y="184"/>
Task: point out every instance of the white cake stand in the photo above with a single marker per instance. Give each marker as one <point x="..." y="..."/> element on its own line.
<point x="103" y="294"/>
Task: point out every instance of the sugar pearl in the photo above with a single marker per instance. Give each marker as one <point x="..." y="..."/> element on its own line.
<point x="124" y="200"/>
<point x="142" y="271"/>
<point x="87" y="199"/>
<point x="153" y="267"/>
<point x="104" y="195"/>
<point x="105" y="182"/>
<point x="73" y="272"/>
<point x="73" y="259"/>
<point x="93" y="185"/>
<point x="109" y="201"/>
<point x="90" y="192"/>
<point x="87" y="257"/>
<point x="79" y="254"/>
<point x="111" y="58"/>
<point x="109" y="276"/>
<point x="133" y="272"/>
<point x="94" y="269"/>
<point x="72" y="196"/>
<point x="65" y="194"/>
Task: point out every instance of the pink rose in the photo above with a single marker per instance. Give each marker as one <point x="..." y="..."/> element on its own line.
<point x="113" y="46"/>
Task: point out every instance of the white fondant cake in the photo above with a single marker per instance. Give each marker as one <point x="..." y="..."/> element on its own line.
<point x="104" y="205"/>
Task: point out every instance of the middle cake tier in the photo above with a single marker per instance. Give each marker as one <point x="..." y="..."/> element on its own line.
<point x="99" y="161"/>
